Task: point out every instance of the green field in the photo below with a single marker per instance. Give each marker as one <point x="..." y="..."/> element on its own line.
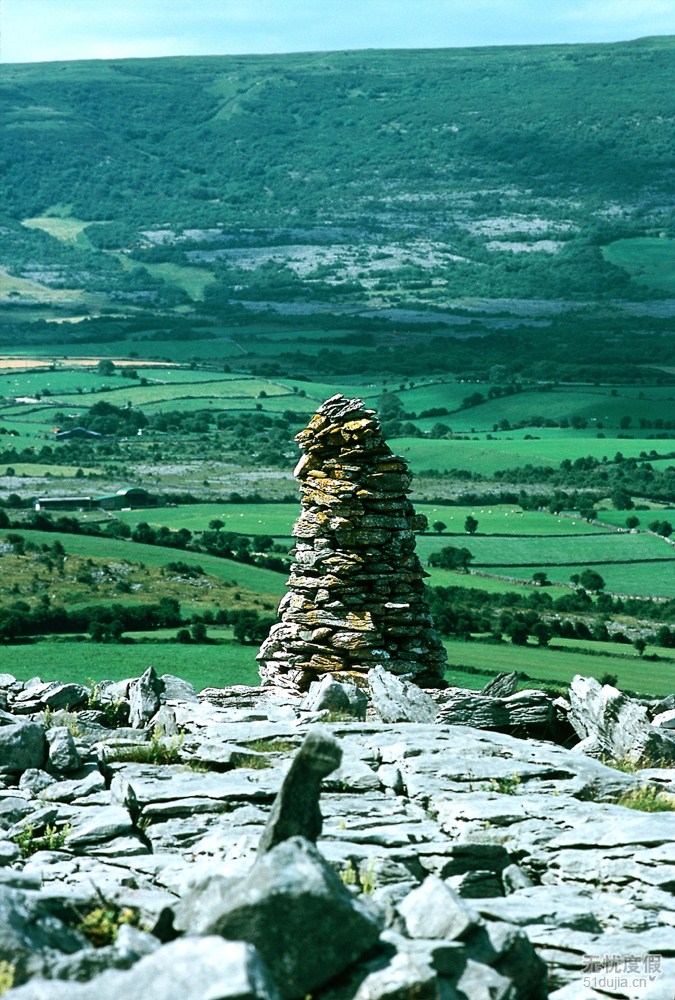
<point x="82" y="662"/>
<point x="492" y="584"/>
<point x="246" y="518"/>
<point x="487" y="457"/>
<point x="645" y="517"/>
<point x="503" y="519"/>
<point x="614" y="649"/>
<point x="495" y="550"/>
<point x="650" y="579"/>
<point x="192" y="280"/>
<point x="555" y="667"/>
<point x="649" y="260"/>
<point x="64" y="228"/>
<point x="32" y="469"/>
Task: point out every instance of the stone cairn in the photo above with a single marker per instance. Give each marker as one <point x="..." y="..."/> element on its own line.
<point x="356" y="590"/>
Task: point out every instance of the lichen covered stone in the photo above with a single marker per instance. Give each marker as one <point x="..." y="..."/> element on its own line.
<point x="356" y="587"/>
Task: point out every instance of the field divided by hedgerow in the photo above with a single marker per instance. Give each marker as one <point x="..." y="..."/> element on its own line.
<point x="495" y="550"/>
<point x="645" y="517"/>
<point x="599" y="409"/>
<point x="488" y="457"/>
<point x="277" y="519"/>
<point x="639" y="579"/>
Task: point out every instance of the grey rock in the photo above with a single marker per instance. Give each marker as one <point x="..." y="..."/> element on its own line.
<point x="86" y="782"/>
<point x="103" y="824"/>
<point x="9" y="852"/>
<point x="666" y="720"/>
<point x="206" y="968"/>
<point x="164" y="720"/>
<point x="502" y="685"/>
<point x="163" y="791"/>
<point x="508" y="950"/>
<point x="390" y="776"/>
<point x="38" y="818"/>
<point x="63" y="756"/>
<point x="296" y="810"/>
<point x="615" y="725"/>
<point x="50" y="695"/>
<point x="29" y="933"/>
<point x="404" y="977"/>
<point x="527" y="710"/>
<point x="144" y="698"/>
<point x="514" y="878"/>
<point x="397" y="700"/>
<point x="290" y="900"/>
<point x="176" y="689"/>
<point x="481" y="982"/>
<point x="335" y="696"/>
<point x="34" y="781"/>
<point x="12" y="810"/>
<point x="130" y="945"/>
<point x="22" y="746"/>
<point x="434" y="910"/>
<point x="541" y="905"/>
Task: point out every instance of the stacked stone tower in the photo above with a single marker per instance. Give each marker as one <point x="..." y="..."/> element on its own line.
<point x="356" y="591"/>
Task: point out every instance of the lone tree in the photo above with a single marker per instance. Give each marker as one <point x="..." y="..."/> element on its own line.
<point x="451" y="557"/>
<point x="439" y="526"/>
<point x="591" y="580"/>
<point x="470" y="525"/>
<point x="106" y="367"/>
<point x="640" y="644"/>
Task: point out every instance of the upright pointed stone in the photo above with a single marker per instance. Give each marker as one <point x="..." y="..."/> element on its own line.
<point x="356" y="590"/>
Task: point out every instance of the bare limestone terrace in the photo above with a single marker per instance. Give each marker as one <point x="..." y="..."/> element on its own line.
<point x="356" y="590"/>
<point x="242" y="845"/>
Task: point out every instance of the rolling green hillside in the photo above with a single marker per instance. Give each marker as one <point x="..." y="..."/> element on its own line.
<point x="373" y="181"/>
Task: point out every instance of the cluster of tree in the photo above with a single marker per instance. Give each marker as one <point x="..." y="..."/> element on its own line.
<point x="259" y="435"/>
<point x="617" y="477"/>
<point x="663" y="528"/>
<point x="102" y="622"/>
<point x="463" y="613"/>
<point x="249" y="627"/>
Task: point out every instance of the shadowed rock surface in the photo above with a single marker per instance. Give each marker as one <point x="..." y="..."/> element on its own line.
<point x="356" y="589"/>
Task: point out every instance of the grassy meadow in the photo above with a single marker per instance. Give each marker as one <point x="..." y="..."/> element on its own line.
<point x="470" y="664"/>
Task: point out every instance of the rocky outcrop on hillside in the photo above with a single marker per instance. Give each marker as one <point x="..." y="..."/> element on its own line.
<point x="450" y="862"/>
<point x="356" y="590"/>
